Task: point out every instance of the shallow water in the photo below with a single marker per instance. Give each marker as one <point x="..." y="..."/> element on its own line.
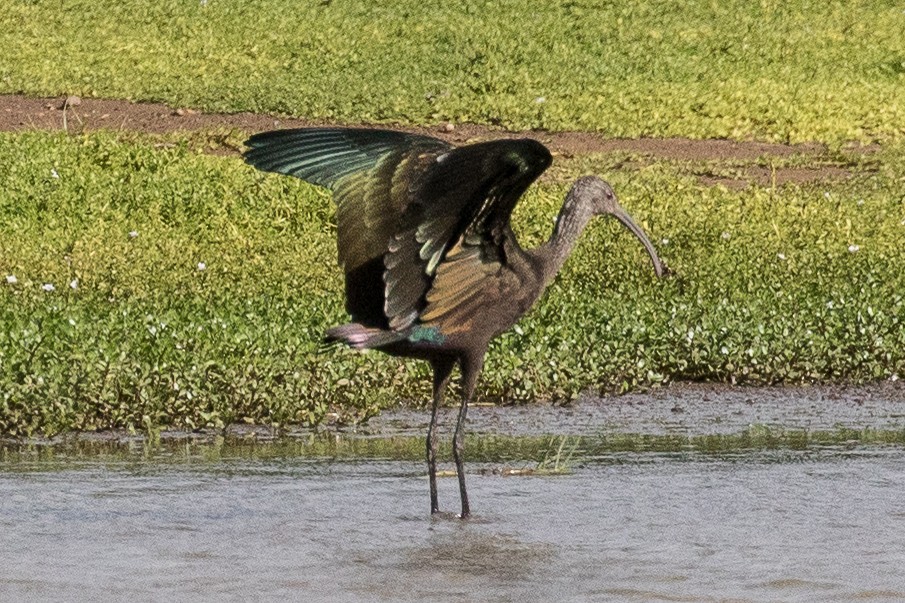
<point x="792" y="526"/>
<point x="299" y="520"/>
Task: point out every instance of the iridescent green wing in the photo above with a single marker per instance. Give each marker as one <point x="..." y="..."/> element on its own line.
<point x="369" y="171"/>
<point x="372" y="174"/>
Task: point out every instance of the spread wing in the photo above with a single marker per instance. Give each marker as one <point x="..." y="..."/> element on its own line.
<point x="369" y="172"/>
<point x="403" y="203"/>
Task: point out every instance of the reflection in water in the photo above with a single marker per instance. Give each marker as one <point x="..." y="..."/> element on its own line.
<point x="810" y="526"/>
<point x="465" y="549"/>
<point x="456" y="557"/>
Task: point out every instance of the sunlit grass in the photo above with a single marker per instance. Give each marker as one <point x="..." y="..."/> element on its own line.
<point x="798" y="70"/>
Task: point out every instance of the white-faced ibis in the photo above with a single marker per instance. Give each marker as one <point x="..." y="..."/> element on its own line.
<point x="433" y="269"/>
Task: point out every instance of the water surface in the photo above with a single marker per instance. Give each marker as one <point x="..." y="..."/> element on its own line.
<point x="302" y="521"/>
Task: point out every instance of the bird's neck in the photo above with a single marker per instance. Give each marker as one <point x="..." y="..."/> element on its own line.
<point x="572" y="219"/>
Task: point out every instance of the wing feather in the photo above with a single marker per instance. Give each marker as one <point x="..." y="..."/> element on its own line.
<point x="465" y="289"/>
<point x="465" y="196"/>
<point x="323" y="156"/>
<point x="403" y="202"/>
<point x="371" y="173"/>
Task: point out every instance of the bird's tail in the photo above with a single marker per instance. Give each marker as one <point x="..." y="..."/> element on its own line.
<point x="360" y="337"/>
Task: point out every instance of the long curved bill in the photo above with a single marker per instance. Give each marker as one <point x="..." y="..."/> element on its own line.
<point x="622" y="215"/>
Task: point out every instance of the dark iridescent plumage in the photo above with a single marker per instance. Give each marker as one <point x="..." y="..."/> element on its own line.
<point x="432" y="267"/>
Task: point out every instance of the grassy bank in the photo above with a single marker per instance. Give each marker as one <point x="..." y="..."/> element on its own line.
<point x="157" y="286"/>
<point x="796" y="71"/>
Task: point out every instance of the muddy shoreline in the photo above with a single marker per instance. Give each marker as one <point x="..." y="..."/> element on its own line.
<point x="685" y="409"/>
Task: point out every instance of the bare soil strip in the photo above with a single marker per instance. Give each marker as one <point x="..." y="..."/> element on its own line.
<point x="18" y="112"/>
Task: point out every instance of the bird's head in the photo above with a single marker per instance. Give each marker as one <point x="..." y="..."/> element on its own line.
<point x="601" y="198"/>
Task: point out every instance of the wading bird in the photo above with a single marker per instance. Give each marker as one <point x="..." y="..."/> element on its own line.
<point x="433" y="269"/>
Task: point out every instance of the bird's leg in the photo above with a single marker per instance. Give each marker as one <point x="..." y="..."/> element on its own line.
<point x="471" y="368"/>
<point x="458" y="450"/>
<point x="442" y="371"/>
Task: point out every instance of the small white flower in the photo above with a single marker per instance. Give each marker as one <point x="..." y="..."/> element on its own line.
<point x="724" y="350"/>
<point x="894" y="377"/>
<point x="853" y="248"/>
<point x="781" y="256"/>
<point x="74" y="284"/>
<point x="725" y="236"/>
<point x="829" y="305"/>
<point x="664" y="241"/>
<point x="202" y="266"/>
<point x="860" y="202"/>
<point x="11" y="279"/>
<point x="48" y="287"/>
<point x="826" y="195"/>
<point x="53" y="172"/>
<point x="540" y="100"/>
<point x="72" y="321"/>
<point x="133" y="234"/>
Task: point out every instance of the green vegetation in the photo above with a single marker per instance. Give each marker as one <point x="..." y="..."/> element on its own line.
<point x="191" y="291"/>
<point x="144" y="284"/>
<point x="560" y="460"/>
<point x="798" y="70"/>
